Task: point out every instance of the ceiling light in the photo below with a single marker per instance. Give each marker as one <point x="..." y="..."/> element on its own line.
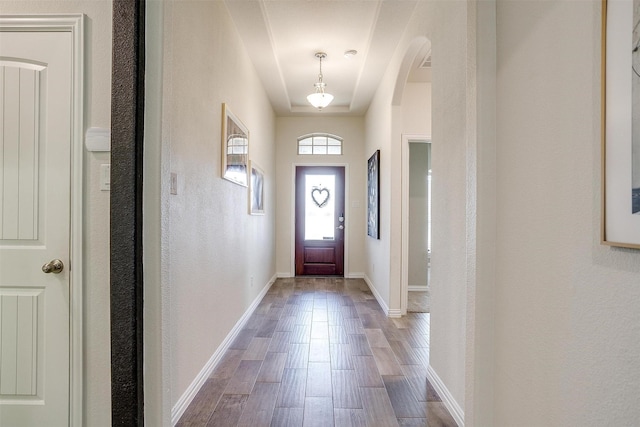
<point x="319" y="98"/>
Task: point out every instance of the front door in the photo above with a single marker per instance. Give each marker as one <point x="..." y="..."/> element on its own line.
<point x="35" y="166"/>
<point x="320" y="220"/>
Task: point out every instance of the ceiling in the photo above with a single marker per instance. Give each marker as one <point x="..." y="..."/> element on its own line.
<point x="282" y="37"/>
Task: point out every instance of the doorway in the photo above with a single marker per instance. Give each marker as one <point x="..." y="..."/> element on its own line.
<point x="320" y="220"/>
<point x="40" y="232"/>
<point x="416" y="224"/>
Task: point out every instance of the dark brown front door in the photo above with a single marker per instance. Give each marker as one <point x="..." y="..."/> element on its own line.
<point x="320" y="220"/>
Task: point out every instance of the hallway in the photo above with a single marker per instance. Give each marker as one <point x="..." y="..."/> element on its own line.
<point x="320" y="352"/>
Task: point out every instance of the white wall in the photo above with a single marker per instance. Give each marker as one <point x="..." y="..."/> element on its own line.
<point x="416" y="109"/>
<point x="445" y="25"/>
<point x="567" y="322"/>
<point x="351" y="129"/>
<point x="97" y="113"/>
<point x="219" y="257"/>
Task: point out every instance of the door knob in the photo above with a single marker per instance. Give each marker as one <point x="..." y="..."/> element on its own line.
<point x="54" y="266"/>
<point x="340" y="227"/>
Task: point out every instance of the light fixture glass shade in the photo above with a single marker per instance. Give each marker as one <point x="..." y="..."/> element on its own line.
<point x="320" y="99"/>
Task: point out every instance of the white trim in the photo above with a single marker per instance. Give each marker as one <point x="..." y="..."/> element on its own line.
<point x="420" y="288"/>
<point x="285" y="275"/>
<point x="347" y="212"/>
<point x="354" y="276"/>
<point x="187" y="397"/>
<point x="404" y="279"/>
<point x="376" y="294"/>
<point x="394" y="313"/>
<point x="74" y="24"/>
<point x="452" y="406"/>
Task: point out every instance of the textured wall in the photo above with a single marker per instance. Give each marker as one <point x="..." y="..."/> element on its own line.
<point x="352" y="130"/>
<point x="567" y="320"/>
<point x="444" y="24"/>
<point x="219" y="256"/>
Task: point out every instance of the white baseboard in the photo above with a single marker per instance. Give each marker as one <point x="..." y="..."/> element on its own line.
<point x="394" y="313"/>
<point x="283" y="275"/>
<point x="185" y="400"/>
<point x="452" y="406"/>
<point x="354" y="276"/>
<point x="418" y="288"/>
<point x="376" y="294"/>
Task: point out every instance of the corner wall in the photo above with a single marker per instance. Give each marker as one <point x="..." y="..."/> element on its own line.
<point x="445" y="25"/>
<point x="567" y="321"/>
<point x="219" y="257"/>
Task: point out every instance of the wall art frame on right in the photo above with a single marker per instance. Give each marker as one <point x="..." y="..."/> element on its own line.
<point x="620" y="225"/>
<point x="373" y="195"/>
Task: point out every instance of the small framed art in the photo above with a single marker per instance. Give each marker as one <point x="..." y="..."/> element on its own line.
<point x="235" y="148"/>
<point x="256" y="190"/>
<point x="373" y="195"/>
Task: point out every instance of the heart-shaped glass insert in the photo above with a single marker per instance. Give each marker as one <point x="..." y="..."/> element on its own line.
<point x="320" y="196"/>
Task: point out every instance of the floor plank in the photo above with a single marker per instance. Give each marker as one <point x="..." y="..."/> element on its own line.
<point x="228" y="410"/>
<point x="319" y="379"/>
<point x="346" y="392"/>
<point x="403" y="401"/>
<point x="257" y="349"/>
<point x="259" y="407"/>
<point x="292" y="391"/>
<point x="287" y="417"/>
<point x="272" y="367"/>
<point x="318" y="412"/>
<point x="386" y="361"/>
<point x="377" y="407"/>
<point x="349" y="417"/>
<point x="244" y="378"/>
<point x="367" y="371"/>
<point x="204" y="404"/>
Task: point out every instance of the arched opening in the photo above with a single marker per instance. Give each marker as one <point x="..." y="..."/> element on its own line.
<point x="412" y="111"/>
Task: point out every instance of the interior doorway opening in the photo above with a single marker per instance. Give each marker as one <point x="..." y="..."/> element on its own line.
<point x="417" y="204"/>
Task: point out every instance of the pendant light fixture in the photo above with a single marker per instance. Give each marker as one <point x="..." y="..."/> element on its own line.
<point x="320" y="98"/>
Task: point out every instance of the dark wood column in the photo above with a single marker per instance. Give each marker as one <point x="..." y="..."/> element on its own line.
<point x="127" y="130"/>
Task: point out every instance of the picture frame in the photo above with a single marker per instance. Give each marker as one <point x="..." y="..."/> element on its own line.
<point x="373" y="195"/>
<point x="235" y="148"/>
<point x="620" y="223"/>
<point x="256" y="190"/>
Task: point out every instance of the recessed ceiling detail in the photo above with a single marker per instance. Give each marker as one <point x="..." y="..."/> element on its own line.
<point x="281" y="36"/>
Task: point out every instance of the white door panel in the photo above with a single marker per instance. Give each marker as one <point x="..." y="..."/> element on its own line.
<point x="35" y="180"/>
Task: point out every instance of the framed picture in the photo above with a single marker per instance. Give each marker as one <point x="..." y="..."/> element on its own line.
<point x="373" y="195"/>
<point x="235" y="148"/>
<point x="621" y="123"/>
<point x="256" y="190"/>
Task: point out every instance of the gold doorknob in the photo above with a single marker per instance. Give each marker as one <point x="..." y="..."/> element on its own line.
<point x="54" y="266"/>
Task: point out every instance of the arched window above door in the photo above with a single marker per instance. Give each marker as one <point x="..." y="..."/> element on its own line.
<point x="320" y="143"/>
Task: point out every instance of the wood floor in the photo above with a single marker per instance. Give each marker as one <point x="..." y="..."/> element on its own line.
<point x="321" y="352"/>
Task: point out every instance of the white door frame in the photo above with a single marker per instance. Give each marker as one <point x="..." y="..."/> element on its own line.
<point x="292" y="266"/>
<point x="74" y="24"/>
<point x="404" y="280"/>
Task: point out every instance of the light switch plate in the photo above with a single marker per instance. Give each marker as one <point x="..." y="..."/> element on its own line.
<point x="173" y="183"/>
<point x="105" y="177"/>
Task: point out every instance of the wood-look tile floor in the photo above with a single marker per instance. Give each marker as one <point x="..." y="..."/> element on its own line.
<point x="321" y="352"/>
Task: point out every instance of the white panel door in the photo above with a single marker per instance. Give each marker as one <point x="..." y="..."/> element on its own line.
<point x="35" y="179"/>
